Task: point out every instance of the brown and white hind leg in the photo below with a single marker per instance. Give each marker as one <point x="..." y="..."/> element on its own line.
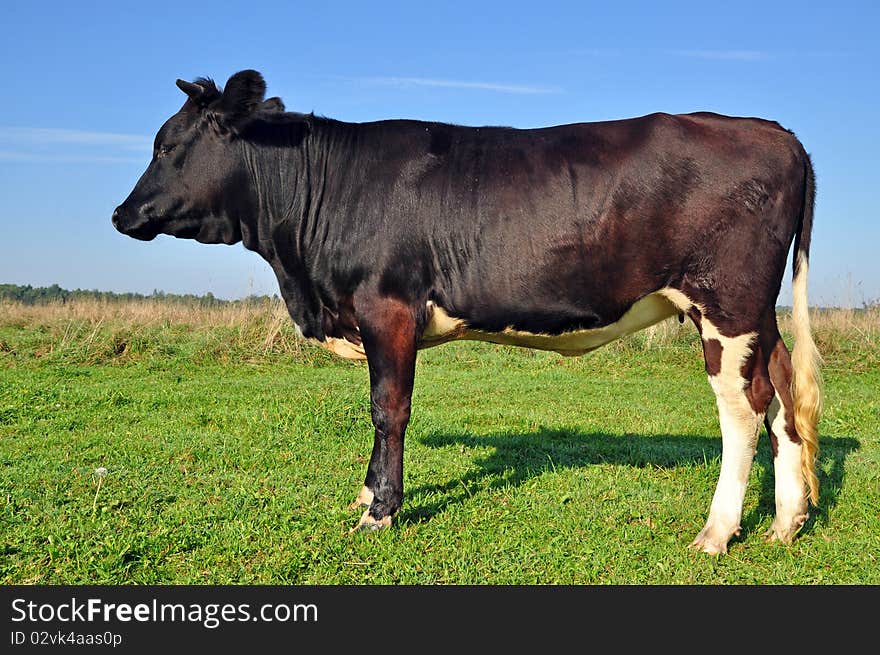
<point x="791" y="495"/>
<point x="739" y="377"/>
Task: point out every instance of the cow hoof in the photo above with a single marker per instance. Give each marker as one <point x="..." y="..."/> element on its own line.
<point x="784" y="530"/>
<point x="367" y="522"/>
<point x="364" y="498"/>
<point x="713" y="541"/>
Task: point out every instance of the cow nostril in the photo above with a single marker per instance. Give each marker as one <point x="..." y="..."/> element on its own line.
<point x="116" y="217"/>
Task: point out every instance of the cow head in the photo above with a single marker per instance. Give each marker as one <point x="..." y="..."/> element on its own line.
<point x="195" y="186"/>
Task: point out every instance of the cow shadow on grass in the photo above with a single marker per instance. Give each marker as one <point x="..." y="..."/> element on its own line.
<point x="516" y="458"/>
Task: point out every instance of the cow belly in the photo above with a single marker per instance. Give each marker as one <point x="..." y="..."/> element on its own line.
<point x="647" y="311"/>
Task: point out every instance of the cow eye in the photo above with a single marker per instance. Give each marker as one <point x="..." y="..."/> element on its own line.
<point x="164" y="150"/>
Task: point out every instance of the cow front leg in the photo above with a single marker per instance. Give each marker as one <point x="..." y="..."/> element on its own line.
<point x="388" y="330"/>
<point x="365" y="495"/>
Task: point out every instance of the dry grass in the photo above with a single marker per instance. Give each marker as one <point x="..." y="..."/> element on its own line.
<point x="831" y="325"/>
<point x="832" y="329"/>
<point x="92" y="331"/>
<point x="139" y="312"/>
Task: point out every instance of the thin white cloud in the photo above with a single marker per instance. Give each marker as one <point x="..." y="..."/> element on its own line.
<point x="458" y="84"/>
<point x="729" y="55"/>
<point x="49" y="136"/>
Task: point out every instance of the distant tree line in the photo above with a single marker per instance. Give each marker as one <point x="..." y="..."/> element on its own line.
<point x="30" y="295"/>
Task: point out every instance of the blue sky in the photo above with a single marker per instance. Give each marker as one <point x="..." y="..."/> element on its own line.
<point x="87" y="85"/>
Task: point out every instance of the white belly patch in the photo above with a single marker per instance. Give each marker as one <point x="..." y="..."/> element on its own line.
<point x="647" y="311"/>
<point x="443" y="328"/>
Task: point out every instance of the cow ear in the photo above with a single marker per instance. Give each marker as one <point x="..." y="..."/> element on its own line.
<point x="241" y="97"/>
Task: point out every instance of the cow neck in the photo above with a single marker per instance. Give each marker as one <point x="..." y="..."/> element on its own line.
<point x="276" y="164"/>
<point x="329" y="151"/>
<point x="276" y="174"/>
<point x="291" y="225"/>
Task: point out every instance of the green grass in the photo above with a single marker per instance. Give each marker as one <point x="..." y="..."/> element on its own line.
<point x="230" y="463"/>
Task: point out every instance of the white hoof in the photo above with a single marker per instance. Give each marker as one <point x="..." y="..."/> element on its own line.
<point x="784" y="530"/>
<point x="713" y="540"/>
<point x="367" y="522"/>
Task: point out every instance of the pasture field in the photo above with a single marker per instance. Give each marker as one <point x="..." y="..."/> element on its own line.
<point x="148" y="442"/>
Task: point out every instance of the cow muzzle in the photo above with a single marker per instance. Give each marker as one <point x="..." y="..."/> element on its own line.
<point x="133" y="224"/>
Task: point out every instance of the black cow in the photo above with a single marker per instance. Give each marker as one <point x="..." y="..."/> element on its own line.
<point x="391" y="236"/>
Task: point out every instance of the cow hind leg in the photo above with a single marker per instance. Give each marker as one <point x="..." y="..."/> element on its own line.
<point x="791" y="496"/>
<point x="739" y="377"/>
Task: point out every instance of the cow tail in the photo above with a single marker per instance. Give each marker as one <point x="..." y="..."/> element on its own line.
<point x="806" y="382"/>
